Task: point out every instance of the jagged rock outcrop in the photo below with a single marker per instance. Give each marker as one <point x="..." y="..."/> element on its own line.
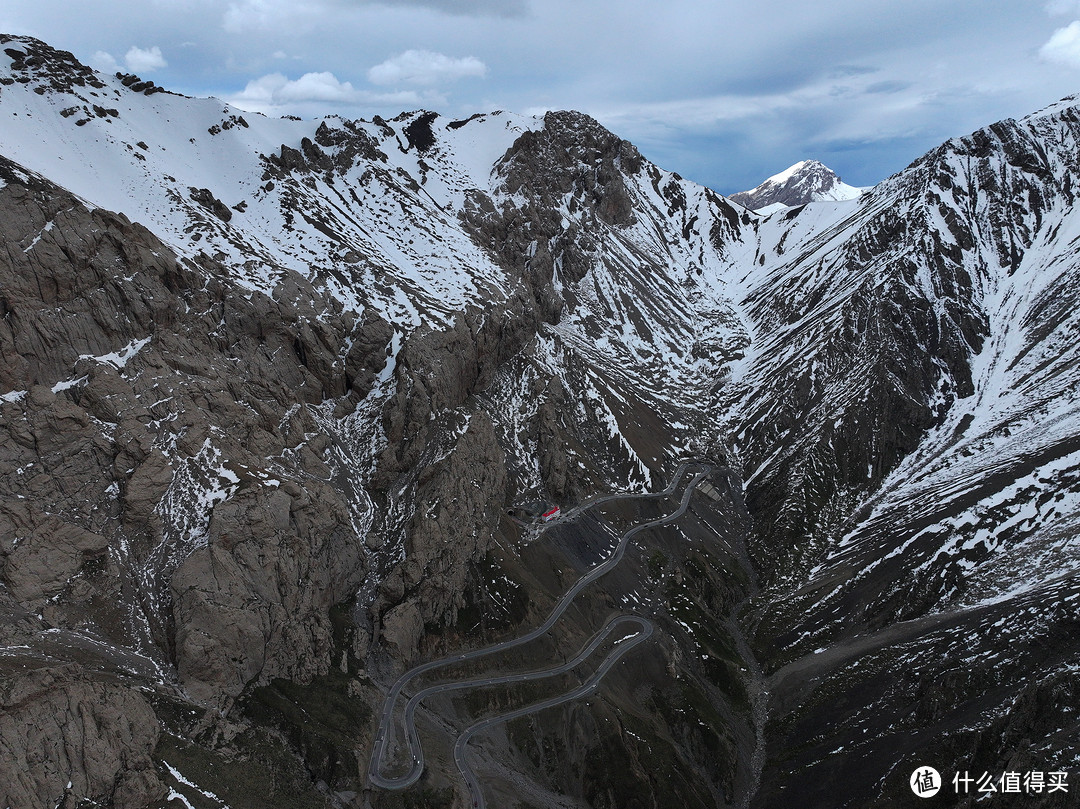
<point x="573" y="159"/>
<point x="60" y="68"/>
<point x="437" y="370"/>
<point x="457" y="481"/>
<point x="459" y="503"/>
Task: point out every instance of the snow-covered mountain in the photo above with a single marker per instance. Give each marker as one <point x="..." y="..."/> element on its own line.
<point x="906" y="421"/>
<point x="806" y="181"/>
<point x="384" y="214"/>
<point x="334" y="353"/>
<point x="269" y="388"/>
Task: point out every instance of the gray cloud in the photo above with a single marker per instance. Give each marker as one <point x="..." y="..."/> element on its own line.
<point x="467" y="8"/>
<point x="842" y="71"/>
<point x="893" y="86"/>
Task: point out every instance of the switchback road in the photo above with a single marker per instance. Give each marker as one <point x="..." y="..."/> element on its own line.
<point x="382" y="738"/>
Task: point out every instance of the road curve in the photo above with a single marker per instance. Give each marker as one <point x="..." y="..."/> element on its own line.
<point x="413" y="740"/>
<point x="589" y="685"/>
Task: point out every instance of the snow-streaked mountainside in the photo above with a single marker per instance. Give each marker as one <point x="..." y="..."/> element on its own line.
<point x="910" y="412"/>
<point x="270" y="388"/>
<point x="386" y="207"/>
<point x="806" y="181"/>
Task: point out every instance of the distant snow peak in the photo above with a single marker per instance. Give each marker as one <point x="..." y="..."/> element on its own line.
<point x="806" y="181"/>
<point x="801" y="168"/>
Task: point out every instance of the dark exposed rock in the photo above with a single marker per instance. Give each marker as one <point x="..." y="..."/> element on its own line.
<point x="42" y="551"/>
<point x="436" y="372"/>
<point x="573" y="155"/>
<point x="419" y="132"/>
<point x="252" y="604"/>
<point x="137" y="85"/>
<point x="463" y="122"/>
<point x="206" y="198"/>
<point x="48" y="67"/>
<point x="459" y="500"/>
<point x="439" y="370"/>
<point x="226" y="124"/>
<point x="341" y="147"/>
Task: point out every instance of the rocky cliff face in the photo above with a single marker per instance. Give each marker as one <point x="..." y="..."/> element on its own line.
<point x="225" y="473"/>
<point x="126" y="422"/>
<point x="70" y="734"/>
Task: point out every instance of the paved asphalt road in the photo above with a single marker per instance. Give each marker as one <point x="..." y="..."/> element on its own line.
<point x="645" y="630"/>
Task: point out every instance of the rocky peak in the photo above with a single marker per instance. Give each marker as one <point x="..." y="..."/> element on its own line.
<point x="573" y="157"/>
<point x="806" y="181"/>
<point x="46" y="68"/>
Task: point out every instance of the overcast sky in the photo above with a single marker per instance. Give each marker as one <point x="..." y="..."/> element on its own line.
<point x="723" y="92"/>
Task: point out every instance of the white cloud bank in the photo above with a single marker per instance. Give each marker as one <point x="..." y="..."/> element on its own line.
<point x="275" y="94"/>
<point x="136" y="60"/>
<point x="425" y="68"/>
<point x="104" y="61"/>
<point x="322" y="86"/>
<point x="1064" y="46"/>
<point x="141" y="60"/>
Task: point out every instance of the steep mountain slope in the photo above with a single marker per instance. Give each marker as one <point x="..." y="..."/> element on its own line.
<point x="908" y="429"/>
<point x="126" y="431"/>
<point x="939" y="290"/>
<point x="806" y="181"/>
<point x="259" y="451"/>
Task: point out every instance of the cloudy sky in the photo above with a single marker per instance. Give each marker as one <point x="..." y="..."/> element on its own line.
<point x="723" y="92"/>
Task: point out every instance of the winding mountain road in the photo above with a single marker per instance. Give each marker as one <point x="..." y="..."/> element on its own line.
<point x="645" y="629"/>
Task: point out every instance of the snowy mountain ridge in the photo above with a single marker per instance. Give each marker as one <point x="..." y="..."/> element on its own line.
<point x="196" y="169"/>
<point x="352" y="205"/>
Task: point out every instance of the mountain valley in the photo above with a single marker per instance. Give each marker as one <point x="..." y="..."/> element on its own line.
<point x="276" y="393"/>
